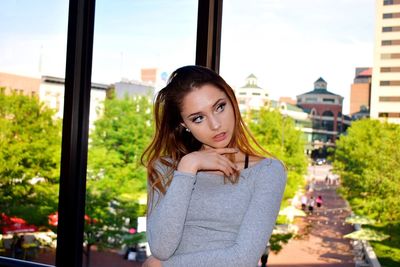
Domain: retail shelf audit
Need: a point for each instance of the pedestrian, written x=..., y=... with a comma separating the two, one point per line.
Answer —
x=319, y=201
x=17, y=250
x=214, y=193
x=304, y=201
x=311, y=203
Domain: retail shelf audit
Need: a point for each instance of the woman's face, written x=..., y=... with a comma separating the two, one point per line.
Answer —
x=208, y=114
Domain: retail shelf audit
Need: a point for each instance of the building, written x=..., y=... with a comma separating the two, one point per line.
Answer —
x=19, y=84
x=325, y=110
x=288, y=99
x=360, y=93
x=251, y=96
x=385, y=89
x=126, y=88
x=154, y=77
x=51, y=93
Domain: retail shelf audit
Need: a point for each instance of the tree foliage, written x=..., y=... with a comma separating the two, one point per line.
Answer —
x=368, y=160
x=278, y=135
x=116, y=178
x=30, y=141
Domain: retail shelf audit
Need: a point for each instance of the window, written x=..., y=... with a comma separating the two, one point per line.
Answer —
x=256, y=94
x=32, y=34
x=328, y=100
x=389, y=99
x=135, y=48
x=328, y=113
x=311, y=99
x=391, y=2
x=389, y=115
x=390, y=83
x=391, y=15
x=242, y=93
x=390, y=69
x=390, y=42
x=390, y=56
x=391, y=29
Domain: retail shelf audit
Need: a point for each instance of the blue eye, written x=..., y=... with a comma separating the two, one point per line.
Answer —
x=221, y=107
x=198, y=119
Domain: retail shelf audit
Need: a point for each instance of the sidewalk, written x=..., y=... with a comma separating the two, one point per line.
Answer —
x=321, y=241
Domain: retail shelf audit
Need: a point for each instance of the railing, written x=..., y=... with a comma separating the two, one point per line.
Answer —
x=364, y=253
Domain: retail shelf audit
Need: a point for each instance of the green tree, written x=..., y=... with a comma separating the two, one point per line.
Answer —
x=368, y=160
x=30, y=140
x=116, y=179
x=278, y=135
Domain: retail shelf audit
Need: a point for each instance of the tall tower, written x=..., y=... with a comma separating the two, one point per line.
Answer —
x=385, y=89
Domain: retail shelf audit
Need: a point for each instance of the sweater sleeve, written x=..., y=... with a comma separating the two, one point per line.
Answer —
x=256, y=227
x=167, y=215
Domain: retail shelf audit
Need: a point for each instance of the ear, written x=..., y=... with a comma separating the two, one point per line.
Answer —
x=183, y=125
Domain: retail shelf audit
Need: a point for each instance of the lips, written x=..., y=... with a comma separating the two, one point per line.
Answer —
x=219, y=137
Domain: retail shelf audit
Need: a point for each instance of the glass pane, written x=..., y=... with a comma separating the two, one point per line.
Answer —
x=137, y=44
x=32, y=67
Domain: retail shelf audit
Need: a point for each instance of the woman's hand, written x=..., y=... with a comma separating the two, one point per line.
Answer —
x=208, y=160
x=152, y=262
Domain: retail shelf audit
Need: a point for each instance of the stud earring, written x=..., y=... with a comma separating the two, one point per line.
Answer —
x=188, y=130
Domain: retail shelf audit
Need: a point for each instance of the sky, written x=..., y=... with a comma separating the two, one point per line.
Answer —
x=287, y=44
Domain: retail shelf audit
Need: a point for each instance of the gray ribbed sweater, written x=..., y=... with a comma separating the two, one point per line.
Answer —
x=202, y=221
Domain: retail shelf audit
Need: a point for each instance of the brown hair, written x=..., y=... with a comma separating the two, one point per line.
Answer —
x=171, y=142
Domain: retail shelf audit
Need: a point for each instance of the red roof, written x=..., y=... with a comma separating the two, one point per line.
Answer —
x=367, y=72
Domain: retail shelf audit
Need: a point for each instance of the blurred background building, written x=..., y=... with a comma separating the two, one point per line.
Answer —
x=385, y=89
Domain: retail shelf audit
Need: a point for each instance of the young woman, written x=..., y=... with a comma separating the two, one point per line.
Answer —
x=213, y=196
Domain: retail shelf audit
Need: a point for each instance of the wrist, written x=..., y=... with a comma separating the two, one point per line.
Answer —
x=186, y=165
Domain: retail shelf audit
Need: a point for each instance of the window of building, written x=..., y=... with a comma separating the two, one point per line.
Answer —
x=391, y=2
x=328, y=113
x=391, y=29
x=389, y=115
x=390, y=42
x=390, y=56
x=389, y=98
x=242, y=93
x=311, y=99
x=390, y=69
x=390, y=83
x=328, y=100
x=242, y=102
x=256, y=94
x=391, y=15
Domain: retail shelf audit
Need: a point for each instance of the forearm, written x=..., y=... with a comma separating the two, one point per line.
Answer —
x=167, y=217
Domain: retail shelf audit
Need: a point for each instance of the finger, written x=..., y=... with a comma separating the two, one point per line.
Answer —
x=226, y=166
x=230, y=163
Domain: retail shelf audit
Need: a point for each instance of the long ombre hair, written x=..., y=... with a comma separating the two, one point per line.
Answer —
x=171, y=142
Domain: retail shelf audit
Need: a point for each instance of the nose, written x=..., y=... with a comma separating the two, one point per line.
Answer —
x=215, y=123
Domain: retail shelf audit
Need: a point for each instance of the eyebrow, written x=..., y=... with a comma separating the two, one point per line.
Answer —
x=213, y=106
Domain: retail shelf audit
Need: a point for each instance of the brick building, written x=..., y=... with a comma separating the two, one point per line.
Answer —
x=325, y=109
